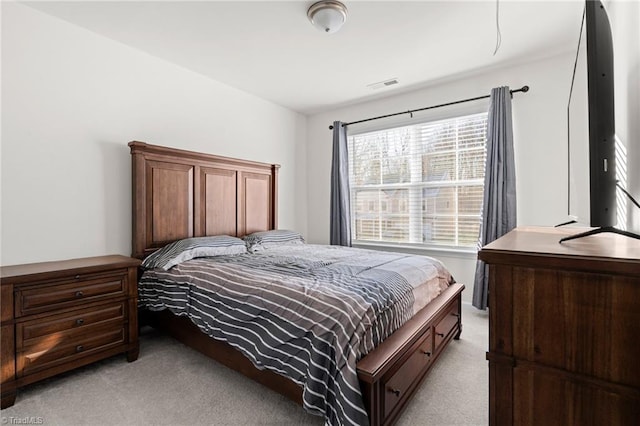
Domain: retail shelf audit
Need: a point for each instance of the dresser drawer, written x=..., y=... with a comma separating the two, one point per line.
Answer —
x=68, y=325
x=53, y=352
x=46, y=296
x=397, y=386
x=446, y=325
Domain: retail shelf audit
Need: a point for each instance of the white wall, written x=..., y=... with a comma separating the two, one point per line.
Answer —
x=540, y=132
x=72, y=100
x=539, y=120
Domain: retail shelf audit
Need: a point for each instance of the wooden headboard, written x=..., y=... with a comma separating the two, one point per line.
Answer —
x=181, y=194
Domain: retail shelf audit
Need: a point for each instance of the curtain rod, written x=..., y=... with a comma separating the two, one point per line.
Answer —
x=523, y=89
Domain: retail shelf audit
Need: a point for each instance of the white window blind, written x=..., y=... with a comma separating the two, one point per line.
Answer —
x=419, y=184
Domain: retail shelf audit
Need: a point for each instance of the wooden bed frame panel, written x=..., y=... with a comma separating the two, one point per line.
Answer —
x=179, y=194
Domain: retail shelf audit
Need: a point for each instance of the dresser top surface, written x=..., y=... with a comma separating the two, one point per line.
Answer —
x=544, y=242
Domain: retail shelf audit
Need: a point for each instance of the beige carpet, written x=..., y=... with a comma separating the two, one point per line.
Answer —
x=172, y=384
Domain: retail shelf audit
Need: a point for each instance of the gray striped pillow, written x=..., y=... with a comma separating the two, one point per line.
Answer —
x=191, y=248
x=266, y=239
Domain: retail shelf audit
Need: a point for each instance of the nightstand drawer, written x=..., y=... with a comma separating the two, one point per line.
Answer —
x=67, y=325
x=44, y=297
x=54, y=352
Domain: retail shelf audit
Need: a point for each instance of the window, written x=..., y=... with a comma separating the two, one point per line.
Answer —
x=420, y=184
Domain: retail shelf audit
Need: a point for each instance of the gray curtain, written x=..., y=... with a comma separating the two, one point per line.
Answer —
x=499, y=203
x=340, y=225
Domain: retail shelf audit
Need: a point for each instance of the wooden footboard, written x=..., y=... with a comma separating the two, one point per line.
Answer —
x=389, y=375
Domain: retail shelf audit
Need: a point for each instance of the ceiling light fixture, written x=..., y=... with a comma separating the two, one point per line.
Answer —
x=327, y=15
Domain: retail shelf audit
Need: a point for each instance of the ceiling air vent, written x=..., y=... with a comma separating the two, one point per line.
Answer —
x=382, y=84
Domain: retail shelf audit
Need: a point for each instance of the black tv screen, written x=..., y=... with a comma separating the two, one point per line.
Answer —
x=592, y=166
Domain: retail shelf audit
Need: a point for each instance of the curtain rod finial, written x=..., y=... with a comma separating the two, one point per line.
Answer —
x=525, y=88
x=330, y=127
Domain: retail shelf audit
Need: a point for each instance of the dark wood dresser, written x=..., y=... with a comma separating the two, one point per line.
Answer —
x=564, y=329
x=57, y=316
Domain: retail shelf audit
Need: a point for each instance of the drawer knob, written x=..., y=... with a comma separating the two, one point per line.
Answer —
x=79, y=348
x=79, y=321
x=77, y=277
x=440, y=334
x=456, y=315
x=396, y=392
x=79, y=294
x=428, y=354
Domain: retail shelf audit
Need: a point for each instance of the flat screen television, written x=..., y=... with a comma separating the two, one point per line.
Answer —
x=591, y=130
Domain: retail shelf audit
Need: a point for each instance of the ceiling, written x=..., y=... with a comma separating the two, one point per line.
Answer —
x=270, y=49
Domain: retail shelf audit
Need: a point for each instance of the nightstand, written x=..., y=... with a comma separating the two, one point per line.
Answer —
x=57, y=316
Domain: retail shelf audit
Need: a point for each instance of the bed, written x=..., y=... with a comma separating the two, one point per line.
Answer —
x=180, y=194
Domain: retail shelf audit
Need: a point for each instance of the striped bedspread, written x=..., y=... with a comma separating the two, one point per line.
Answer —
x=305, y=311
